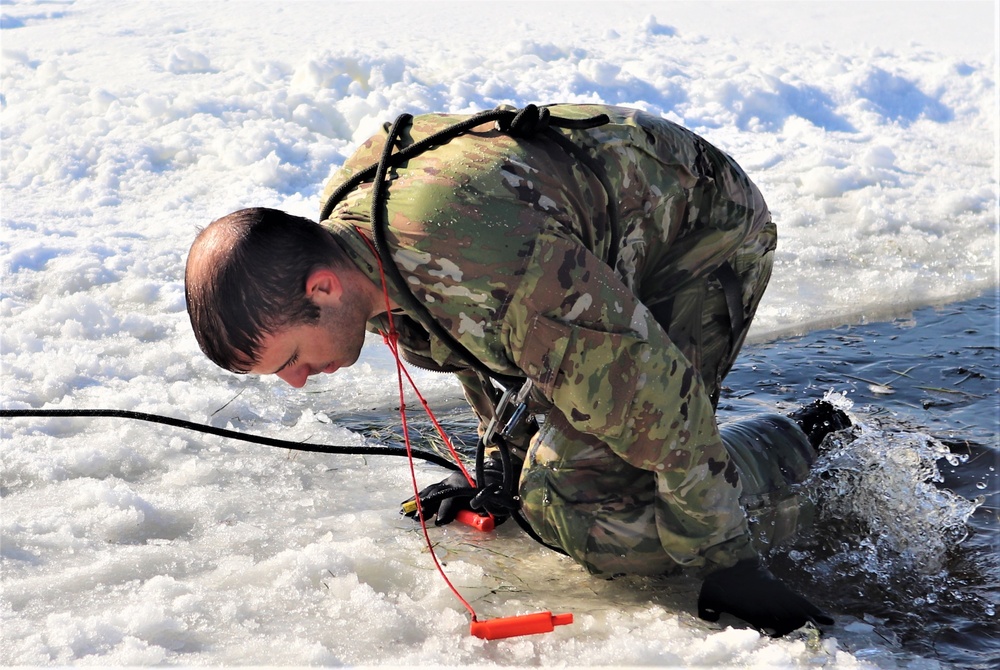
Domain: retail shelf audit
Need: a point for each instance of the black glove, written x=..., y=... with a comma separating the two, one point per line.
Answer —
x=444, y=499
x=748, y=591
x=447, y=498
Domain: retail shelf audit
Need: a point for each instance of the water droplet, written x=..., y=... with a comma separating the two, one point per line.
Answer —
x=980, y=485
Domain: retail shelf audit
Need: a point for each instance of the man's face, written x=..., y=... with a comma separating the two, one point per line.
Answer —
x=295, y=353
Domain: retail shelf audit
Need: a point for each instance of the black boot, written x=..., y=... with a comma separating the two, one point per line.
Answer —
x=818, y=419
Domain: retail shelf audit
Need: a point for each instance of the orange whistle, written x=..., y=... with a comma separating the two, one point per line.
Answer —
x=513, y=626
x=470, y=518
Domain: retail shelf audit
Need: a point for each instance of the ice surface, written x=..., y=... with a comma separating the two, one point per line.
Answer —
x=870, y=127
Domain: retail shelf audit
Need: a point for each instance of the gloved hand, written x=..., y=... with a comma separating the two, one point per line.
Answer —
x=439, y=499
x=447, y=498
x=748, y=591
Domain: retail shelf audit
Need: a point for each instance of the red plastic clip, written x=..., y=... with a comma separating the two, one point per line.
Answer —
x=470, y=518
x=513, y=626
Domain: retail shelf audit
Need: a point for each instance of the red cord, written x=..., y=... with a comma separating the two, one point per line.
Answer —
x=493, y=629
x=392, y=341
x=399, y=365
x=427, y=408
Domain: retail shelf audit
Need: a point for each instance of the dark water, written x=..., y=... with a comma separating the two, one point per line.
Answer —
x=906, y=576
x=936, y=372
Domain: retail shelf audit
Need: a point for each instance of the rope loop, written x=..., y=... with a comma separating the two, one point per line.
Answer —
x=525, y=122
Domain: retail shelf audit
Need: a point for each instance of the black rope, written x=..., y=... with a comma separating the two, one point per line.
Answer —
x=256, y=439
x=232, y=434
x=413, y=305
x=497, y=498
x=519, y=123
x=505, y=120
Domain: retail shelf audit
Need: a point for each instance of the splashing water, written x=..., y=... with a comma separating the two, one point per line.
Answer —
x=877, y=482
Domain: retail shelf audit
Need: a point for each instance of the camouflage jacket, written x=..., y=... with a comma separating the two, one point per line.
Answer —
x=521, y=252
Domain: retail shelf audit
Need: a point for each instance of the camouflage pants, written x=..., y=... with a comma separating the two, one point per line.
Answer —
x=603, y=512
x=606, y=514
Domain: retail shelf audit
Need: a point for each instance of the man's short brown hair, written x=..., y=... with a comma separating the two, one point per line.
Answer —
x=245, y=278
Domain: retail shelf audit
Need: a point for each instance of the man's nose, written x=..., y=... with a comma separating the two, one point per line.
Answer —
x=295, y=376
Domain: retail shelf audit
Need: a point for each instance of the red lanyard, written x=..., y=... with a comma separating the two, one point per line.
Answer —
x=492, y=629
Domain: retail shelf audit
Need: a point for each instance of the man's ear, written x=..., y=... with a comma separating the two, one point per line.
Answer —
x=323, y=286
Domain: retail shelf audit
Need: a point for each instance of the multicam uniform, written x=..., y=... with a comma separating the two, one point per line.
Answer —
x=599, y=288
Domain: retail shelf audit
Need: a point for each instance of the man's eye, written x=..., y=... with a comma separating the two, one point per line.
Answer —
x=289, y=363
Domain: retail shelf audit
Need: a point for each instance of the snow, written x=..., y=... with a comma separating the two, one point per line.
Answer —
x=870, y=127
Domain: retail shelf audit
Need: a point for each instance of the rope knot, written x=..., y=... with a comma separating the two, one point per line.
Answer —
x=525, y=122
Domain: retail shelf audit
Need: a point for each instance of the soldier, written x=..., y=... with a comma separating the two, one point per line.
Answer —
x=612, y=258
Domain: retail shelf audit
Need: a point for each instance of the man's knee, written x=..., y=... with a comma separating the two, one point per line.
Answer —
x=580, y=496
x=607, y=534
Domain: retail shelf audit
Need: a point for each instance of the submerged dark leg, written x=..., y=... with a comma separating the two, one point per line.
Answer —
x=773, y=454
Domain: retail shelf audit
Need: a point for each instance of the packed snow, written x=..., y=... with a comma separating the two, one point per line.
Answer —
x=870, y=127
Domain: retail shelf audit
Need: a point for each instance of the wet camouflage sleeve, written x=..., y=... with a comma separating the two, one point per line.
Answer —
x=509, y=245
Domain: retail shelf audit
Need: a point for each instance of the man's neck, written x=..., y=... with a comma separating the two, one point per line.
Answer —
x=358, y=248
x=377, y=296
